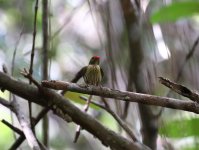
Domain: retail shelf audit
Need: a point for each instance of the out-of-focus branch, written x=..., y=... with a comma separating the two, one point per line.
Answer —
x=124, y=95
x=51, y=98
x=67, y=20
x=133, y=15
x=12, y=71
x=45, y=49
x=32, y=55
x=188, y=56
x=34, y=36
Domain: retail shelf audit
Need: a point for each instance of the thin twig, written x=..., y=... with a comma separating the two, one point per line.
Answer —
x=27, y=75
x=12, y=71
x=34, y=37
x=105, y=102
x=12, y=127
x=15, y=51
x=67, y=20
x=188, y=56
x=78, y=130
x=117, y=118
x=32, y=56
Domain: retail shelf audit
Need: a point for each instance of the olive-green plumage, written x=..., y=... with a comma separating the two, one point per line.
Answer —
x=92, y=73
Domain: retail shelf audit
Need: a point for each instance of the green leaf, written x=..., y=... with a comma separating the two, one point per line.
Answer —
x=75, y=97
x=6, y=135
x=175, y=11
x=107, y=120
x=181, y=128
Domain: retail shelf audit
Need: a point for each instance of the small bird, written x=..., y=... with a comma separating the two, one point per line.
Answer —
x=92, y=74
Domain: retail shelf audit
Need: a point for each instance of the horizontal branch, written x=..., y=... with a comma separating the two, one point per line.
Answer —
x=49, y=97
x=125, y=95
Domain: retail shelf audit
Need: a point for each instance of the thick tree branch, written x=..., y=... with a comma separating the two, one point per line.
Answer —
x=49, y=97
x=5, y=103
x=125, y=95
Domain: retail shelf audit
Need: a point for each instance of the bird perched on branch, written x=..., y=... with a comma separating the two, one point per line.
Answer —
x=92, y=74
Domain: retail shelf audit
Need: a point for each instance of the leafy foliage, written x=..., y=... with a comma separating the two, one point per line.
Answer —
x=175, y=11
x=75, y=97
x=181, y=128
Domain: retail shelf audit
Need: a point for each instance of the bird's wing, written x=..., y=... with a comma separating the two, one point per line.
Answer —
x=79, y=74
x=102, y=72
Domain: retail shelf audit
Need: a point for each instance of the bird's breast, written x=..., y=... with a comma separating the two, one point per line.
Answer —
x=93, y=75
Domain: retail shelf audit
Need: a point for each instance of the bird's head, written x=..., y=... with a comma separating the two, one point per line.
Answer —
x=95, y=60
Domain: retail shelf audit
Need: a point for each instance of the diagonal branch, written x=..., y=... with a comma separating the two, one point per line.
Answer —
x=25, y=125
x=180, y=89
x=117, y=118
x=15, y=129
x=22, y=137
